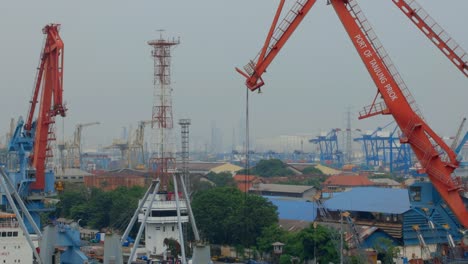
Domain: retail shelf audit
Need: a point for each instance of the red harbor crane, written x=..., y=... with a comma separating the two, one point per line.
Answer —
x=48, y=93
x=437, y=159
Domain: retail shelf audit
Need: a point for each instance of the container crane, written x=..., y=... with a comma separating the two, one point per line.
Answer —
x=437, y=159
x=29, y=146
x=457, y=136
x=76, y=146
x=330, y=154
x=137, y=145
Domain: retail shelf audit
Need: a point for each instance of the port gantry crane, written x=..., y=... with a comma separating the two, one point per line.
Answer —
x=49, y=77
x=76, y=146
x=437, y=159
x=29, y=147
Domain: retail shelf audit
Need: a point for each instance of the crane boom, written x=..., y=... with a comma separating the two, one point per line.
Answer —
x=457, y=137
x=275, y=40
x=437, y=159
x=49, y=78
x=435, y=33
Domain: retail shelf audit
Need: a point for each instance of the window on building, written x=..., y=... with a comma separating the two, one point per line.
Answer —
x=172, y=228
x=415, y=193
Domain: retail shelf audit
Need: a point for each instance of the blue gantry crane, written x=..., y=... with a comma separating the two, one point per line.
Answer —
x=384, y=150
x=329, y=152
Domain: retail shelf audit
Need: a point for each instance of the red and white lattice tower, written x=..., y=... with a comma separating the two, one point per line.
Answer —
x=163, y=144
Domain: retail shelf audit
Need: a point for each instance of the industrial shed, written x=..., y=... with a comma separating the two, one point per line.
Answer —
x=284, y=190
x=294, y=214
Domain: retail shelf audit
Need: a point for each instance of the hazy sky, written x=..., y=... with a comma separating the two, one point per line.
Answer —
x=310, y=85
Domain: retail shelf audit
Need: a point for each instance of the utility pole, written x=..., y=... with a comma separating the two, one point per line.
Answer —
x=341, y=237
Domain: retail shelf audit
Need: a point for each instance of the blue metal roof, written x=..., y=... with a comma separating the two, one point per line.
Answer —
x=371, y=199
x=294, y=209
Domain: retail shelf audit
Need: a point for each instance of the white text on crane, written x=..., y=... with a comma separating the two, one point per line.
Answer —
x=375, y=65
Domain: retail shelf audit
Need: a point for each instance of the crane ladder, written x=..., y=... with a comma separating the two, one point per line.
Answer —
x=366, y=27
x=449, y=47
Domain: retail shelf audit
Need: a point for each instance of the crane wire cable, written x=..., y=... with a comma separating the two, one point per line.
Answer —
x=247, y=163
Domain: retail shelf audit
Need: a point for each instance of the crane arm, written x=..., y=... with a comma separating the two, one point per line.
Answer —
x=462, y=143
x=457, y=137
x=88, y=124
x=49, y=86
x=52, y=56
x=437, y=159
x=276, y=38
x=435, y=33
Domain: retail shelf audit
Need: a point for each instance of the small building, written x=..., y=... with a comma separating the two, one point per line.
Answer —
x=71, y=175
x=111, y=180
x=294, y=214
x=402, y=215
x=200, y=167
x=227, y=167
x=340, y=183
x=245, y=182
x=284, y=190
x=386, y=182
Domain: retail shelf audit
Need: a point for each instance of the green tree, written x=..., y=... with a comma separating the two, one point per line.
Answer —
x=269, y=168
x=97, y=208
x=221, y=179
x=312, y=170
x=70, y=198
x=225, y=215
x=386, y=251
x=312, y=242
x=270, y=235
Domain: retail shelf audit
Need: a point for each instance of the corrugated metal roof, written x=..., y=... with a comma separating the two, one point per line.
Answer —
x=348, y=180
x=284, y=188
x=200, y=166
x=301, y=166
x=227, y=167
x=371, y=199
x=327, y=170
x=294, y=209
x=386, y=181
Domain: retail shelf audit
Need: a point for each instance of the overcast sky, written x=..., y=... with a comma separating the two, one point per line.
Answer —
x=310, y=85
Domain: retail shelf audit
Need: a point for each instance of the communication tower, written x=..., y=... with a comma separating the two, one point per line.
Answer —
x=162, y=158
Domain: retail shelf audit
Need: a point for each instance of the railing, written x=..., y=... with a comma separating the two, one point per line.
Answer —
x=378, y=47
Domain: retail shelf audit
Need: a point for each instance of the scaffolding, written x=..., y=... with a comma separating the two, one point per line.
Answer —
x=185, y=153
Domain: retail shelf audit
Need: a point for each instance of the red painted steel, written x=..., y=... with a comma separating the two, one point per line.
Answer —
x=275, y=41
x=49, y=78
x=449, y=47
x=436, y=158
x=424, y=142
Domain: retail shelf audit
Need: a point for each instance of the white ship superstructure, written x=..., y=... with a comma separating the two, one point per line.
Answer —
x=162, y=221
x=14, y=247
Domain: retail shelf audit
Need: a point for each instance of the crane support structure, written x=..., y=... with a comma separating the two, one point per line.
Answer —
x=277, y=37
x=49, y=78
x=435, y=33
x=437, y=159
